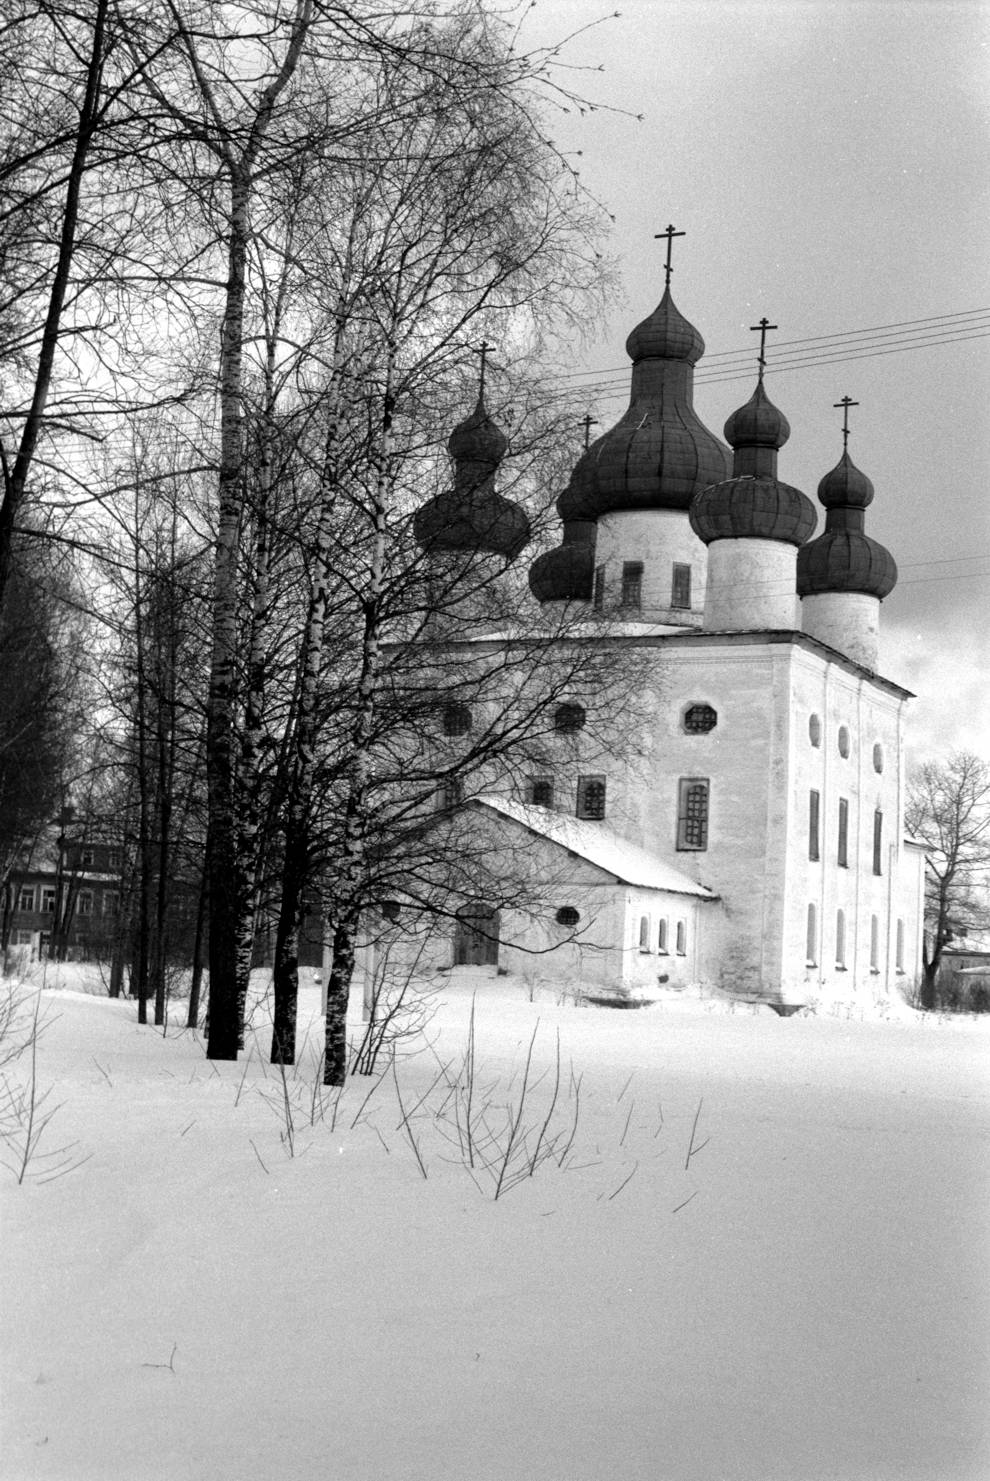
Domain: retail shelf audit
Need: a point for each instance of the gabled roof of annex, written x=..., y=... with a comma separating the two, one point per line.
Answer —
x=625, y=861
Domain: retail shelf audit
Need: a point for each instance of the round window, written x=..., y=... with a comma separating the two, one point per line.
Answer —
x=843, y=741
x=567, y=916
x=815, y=730
x=699, y=719
x=878, y=757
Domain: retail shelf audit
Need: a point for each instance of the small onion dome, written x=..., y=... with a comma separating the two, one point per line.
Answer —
x=478, y=440
x=451, y=522
x=753, y=507
x=566, y=573
x=472, y=517
x=665, y=335
x=844, y=558
x=845, y=487
x=758, y=423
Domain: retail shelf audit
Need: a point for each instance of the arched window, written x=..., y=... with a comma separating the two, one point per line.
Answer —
x=699, y=719
x=662, y=937
x=692, y=813
x=874, y=944
x=840, y=940
x=567, y=916
x=811, y=941
x=591, y=797
x=456, y=719
x=681, y=938
x=568, y=718
x=878, y=758
x=644, y=933
x=878, y=842
x=814, y=730
x=843, y=741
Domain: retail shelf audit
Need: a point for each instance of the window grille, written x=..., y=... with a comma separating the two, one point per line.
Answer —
x=591, y=797
x=680, y=587
x=699, y=719
x=567, y=916
x=456, y=719
x=692, y=813
x=632, y=584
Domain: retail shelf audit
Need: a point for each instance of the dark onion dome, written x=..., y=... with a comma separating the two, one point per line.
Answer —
x=660, y=453
x=758, y=423
x=566, y=574
x=472, y=516
x=844, y=558
x=753, y=507
x=753, y=504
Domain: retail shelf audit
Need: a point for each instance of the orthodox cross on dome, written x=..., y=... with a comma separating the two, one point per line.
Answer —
x=587, y=422
x=845, y=404
x=482, y=351
x=670, y=234
x=762, y=327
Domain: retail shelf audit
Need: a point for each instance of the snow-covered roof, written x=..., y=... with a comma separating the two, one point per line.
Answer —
x=629, y=863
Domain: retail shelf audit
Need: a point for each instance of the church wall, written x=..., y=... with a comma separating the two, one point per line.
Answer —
x=751, y=585
x=848, y=621
x=659, y=539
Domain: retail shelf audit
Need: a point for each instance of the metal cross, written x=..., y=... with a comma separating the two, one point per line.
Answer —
x=588, y=422
x=670, y=234
x=482, y=350
x=762, y=327
x=845, y=403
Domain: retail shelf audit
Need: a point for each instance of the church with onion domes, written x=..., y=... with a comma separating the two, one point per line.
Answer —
x=748, y=838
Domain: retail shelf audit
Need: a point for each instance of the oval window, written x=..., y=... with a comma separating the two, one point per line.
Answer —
x=878, y=758
x=567, y=916
x=843, y=741
x=815, y=730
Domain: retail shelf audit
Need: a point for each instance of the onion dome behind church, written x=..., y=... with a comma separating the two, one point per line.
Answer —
x=472, y=516
x=754, y=504
x=844, y=558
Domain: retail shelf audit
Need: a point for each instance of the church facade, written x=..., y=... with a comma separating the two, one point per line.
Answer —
x=748, y=839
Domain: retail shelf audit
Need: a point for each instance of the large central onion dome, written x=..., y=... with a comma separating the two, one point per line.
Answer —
x=844, y=558
x=472, y=516
x=754, y=504
x=660, y=453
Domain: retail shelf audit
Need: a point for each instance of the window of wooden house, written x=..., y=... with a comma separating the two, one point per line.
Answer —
x=84, y=902
x=48, y=898
x=111, y=902
x=25, y=898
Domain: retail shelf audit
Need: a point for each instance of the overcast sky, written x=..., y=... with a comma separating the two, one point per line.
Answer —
x=828, y=163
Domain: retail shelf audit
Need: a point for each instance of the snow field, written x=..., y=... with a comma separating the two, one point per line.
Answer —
x=809, y=1298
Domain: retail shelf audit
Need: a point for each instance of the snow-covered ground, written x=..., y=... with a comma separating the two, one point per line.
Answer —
x=808, y=1298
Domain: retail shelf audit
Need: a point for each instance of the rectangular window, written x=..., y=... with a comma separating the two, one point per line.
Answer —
x=25, y=897
x=811, y=943
x=681, y=938
x=87, y=858
x=680, y=588
x=692, y=813
x=814, y=813
x=878, y=842
x=48, y=898
x=111, y=902
x=84, y=902
x=662, y=938
x=591, y=797
x=114, y=859
x=874, y=944
x=632, y=584
x=840, y=940
x=842, y=854
x=899, y=948
x=598, y=599
x=539, y=791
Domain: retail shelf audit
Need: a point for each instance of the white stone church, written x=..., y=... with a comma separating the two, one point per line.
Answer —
x=751, y=842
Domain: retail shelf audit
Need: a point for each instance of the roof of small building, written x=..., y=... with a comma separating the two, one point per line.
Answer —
x=629, y=863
